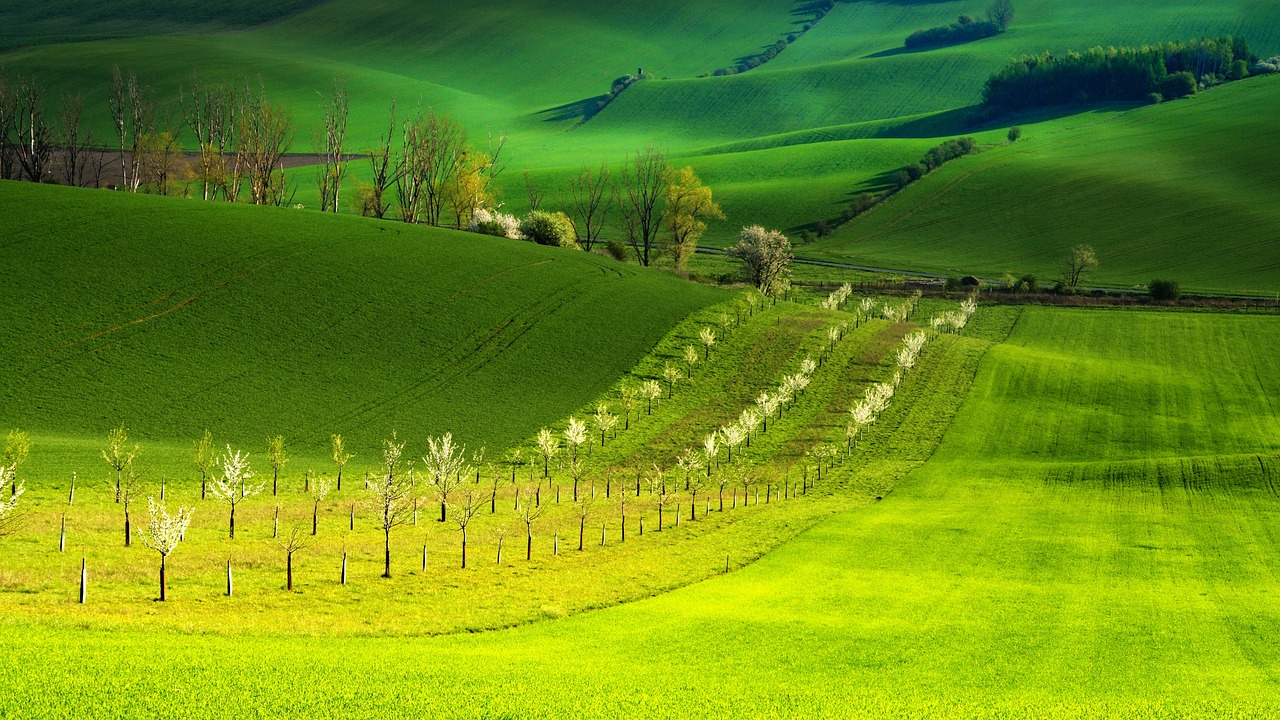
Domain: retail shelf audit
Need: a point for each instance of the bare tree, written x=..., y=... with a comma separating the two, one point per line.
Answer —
x=277, y=456
x=385, y=173
x=117, y=455
x=331, y=146
x=209, y=112
x=33, y=139
x=8, y=112
x=78, y=164
x=164, y=532
x=391, y=496
x=639, y=194
x=533, y=194
x=133, y=115
x=530, y=511
x=291, y=543
x=433, y=150
x=590, y=203
x=445, y=465
x=582, y=507
x=265, y=136
x=232, y=485
x=463, y=511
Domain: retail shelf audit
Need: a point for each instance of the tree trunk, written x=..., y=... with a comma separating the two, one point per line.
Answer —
x=464, y=548
x=117, y=485
x=203, y=485
x=659, y=518
x=62, y=536
x=84, y=581
x=339, y=478
x=442, y=511
x=163, y=595
x=528, y=548
x=128, y=536
x=289, y=572
x=233, y=522
x=582, y=531
x=229, y=585
x=344, y=567
x=315, y=518
x=721, y=498
x=386, y=547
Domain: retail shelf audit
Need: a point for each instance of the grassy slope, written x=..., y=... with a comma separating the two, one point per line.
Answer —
x=173, y=315
x=1172, y=191
x=983, y=587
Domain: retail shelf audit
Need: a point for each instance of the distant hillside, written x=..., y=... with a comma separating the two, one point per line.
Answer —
x=1178, y=190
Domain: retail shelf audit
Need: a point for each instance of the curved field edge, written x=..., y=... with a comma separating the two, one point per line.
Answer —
x=445, y=599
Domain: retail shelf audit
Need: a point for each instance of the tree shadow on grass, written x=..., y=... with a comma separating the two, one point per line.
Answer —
x=578, y=110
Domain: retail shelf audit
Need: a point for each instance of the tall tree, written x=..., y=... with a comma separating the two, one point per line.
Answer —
x=34, y=138
x=78, y=164
x=210, y=112
x=385, y=173
x=639, y=194
x=689, y=206
x=133, y=115
x=333, y=168
x=590, y=203
x=265, y=136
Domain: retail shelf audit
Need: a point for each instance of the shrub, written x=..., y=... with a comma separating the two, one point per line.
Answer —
x=1164, y=290
x=1027, y=283
x=823, y=228
x=953, y=284
x=492, y=222
x=1266, y=67
x=902, y=179
x=1015, y=133
x=1178, y=85
x=546, y=228
x=616, y=250
x=1155, y=99
x=915, y=171
x=1239, y=69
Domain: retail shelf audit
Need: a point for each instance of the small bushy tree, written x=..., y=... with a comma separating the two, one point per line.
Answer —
x=548, y=228
x=164, y=532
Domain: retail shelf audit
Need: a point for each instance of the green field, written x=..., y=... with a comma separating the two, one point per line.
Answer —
x=1061, y=513
x=524, y=69
x=1170, y=191
x=1028, y=568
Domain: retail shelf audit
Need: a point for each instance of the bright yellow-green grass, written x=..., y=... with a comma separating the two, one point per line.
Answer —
x=988, y=584
x=1176, y=191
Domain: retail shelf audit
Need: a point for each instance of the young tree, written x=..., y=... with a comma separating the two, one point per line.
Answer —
x=463, y=512
x=277, y=456
x=530, y=511
x=164, y=532
x=630, y=396
x=340, y=456
x=690, y=462
x=210, y=114
x=733, y=436
x=290, y=544
x=116, y=454
x=638, y=197
x=671, y=374
x=331, y=145
x=232, y=486
x=711, y=450
x=205, y=458
x=766, y=259
x=605, y=421
x=708, y=337
x=623, y=499
x=445, y=465
x=16, y=447
x=9, y=506
x=575, y=435
x=589, y=203
x=133, y=114
x=129, y=488
x=1078, y=265
x=319, y=491
x=582, y=507
x=434, y=147
x=749, y=420
x=650, y=390
x=548, y=445
x=688, y=207
x=695, y=485
x=265, y=136
x=79, y=164
x=391, y=496
x=468, y=189
x=659, y=491
x=767, y=404
x=690, y=360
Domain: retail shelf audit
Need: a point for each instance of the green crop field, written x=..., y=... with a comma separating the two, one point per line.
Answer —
x=1171, y=191
x=665, y=500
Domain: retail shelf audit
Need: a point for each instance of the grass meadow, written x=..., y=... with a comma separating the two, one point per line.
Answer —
x=1004, y=576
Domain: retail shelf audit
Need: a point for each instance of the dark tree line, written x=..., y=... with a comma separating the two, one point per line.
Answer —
x=1171, y=70
x=965, y=28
